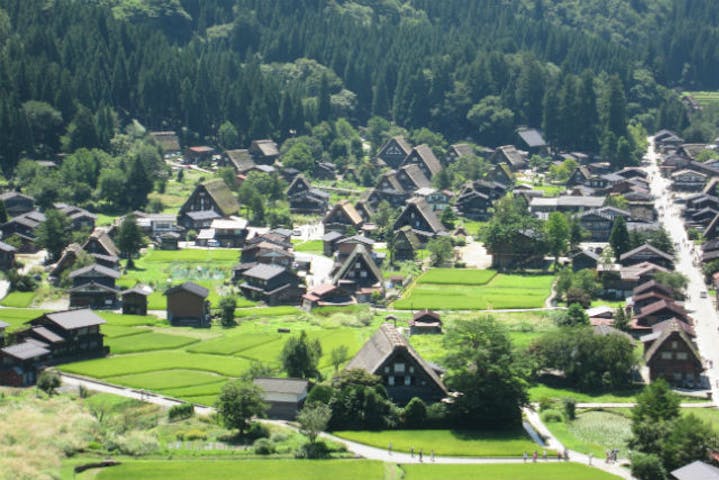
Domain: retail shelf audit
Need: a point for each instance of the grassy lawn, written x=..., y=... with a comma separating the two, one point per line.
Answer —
x=244, y=469
x=148, y=341
x=447, y=442
x=540, y=391
x=267, y=311
x=594, y=432
x=17, y=317
x=167, y=379
x=155, y=361
x=501, y=292
x=18, y=299
x=547, y=471
x=210, y=268
x=310, y=246
x=456, y=276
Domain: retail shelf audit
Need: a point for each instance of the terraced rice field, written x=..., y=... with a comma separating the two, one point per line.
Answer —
x=193, y=364
x=476, y=290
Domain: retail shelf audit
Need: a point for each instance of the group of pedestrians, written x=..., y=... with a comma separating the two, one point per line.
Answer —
x=420, y=454
x=612, y=456
x=535, y=456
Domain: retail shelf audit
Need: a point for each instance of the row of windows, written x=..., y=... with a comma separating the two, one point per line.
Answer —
x=670, y=355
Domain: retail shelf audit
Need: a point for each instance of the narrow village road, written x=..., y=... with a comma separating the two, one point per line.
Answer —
x=366, y=451
x=706, y=320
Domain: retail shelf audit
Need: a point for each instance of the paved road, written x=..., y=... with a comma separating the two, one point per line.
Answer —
x=365, y=451
x=706, y=321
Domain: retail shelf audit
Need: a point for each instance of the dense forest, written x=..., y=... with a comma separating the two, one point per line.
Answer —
x=72, y=72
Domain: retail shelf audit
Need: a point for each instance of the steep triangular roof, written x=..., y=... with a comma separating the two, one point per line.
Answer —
x=223, y=196
x=384, y=343
x=672, y=327
x=359, y=251
x=646, y=247
x=190, y=287
x=421, y=206
x=348, y=210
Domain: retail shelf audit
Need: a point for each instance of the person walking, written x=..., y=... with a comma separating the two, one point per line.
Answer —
x=420, y=456
x=524, y=457
x=389, y=448
x=544, y=455
x=590, y=459
x=534, y=457
x=411, y=452
x=432, y=455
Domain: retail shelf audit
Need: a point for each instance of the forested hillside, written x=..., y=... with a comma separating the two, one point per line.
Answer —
x=71, y=71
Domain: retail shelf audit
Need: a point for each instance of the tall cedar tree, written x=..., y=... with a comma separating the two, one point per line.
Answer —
x=130, y=239
x=481, y=365
x=619, y=237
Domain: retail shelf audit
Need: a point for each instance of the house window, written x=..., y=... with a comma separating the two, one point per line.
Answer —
x=399, y=368
x=386, y=369
x=682, y=355
x=390, y=381
x=407, y=380
x=666, y=355
x=675, y=344
x=411, y=370
x=363, y=274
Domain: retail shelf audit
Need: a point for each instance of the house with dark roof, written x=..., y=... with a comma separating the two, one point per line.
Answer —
x=599, y=222
x=134, y=300
x=531, y=140
x=688, y=180
x=412, y=178
x=187, y=305
x=580, y=176
x=388, y=189
x=69, y=335
x=509, y=155
x=198, y=154
x=420, y=217
x=585, y=259
x=670, y=353
x=24, y=226
x=345, y=246
x=240, y=160
x=405, y=245
x=168, y=142
x=272, y=284
x=209, y=201
x=99, y=242
x=327, y=295
x=343, y=217
x=306, y=200
x=285, y=396
x=425, y=321
x=652, y=286
x=424, y=157
x=94, y=286
x=7, y=256
x=473, y=203
x=657, y=312
x=20, y=363
x=394, y=151
x=264, y=152
x=359, y=274
x=17, y=203
x=459, y=150
x=404, y=373
x=647, y=253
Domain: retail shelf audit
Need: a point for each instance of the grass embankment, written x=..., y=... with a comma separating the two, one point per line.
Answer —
x=530, y=471
x=594, y=431
x=447, y=442
x=18, y=299
x=452, y=289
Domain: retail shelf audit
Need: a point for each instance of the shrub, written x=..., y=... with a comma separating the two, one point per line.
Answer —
x=256, y=431
x=545, y=403
x=313, y=451
x=552, y=416
x=570, y=408
x=414, y=414
x=82, y=391
x=437, y=415
x=192, y=435
x=49, y=381
x=135, y=443
x=264, y=446
x=181, y=411
x=648, y=467
x=320, y=393
x=279, y=437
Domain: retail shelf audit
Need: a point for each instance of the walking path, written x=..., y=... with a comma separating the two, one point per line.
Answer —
x=706, y=321
x=364, y=451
